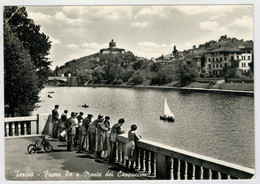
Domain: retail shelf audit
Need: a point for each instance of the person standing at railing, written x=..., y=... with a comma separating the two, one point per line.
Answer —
x=116, y=129
x=101, y=135
x=92, y=132
x=106, y=146
x=130, y=154
x=71, y=130
x=62, y=124
x=80, y=121
x=55, y=121
x=83, y=132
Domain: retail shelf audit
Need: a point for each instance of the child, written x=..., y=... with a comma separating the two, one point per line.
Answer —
x=130, y=147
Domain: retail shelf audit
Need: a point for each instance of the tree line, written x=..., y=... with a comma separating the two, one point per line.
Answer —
x=26, y=65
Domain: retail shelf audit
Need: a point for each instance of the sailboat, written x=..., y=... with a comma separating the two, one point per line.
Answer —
x=167, y=114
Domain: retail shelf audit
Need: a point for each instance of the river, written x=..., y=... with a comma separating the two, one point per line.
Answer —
x=215, y=125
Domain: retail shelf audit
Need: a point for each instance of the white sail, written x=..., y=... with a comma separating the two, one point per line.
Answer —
x=167, y=111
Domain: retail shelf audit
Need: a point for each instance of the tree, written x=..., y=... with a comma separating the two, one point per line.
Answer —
x=21, y=81
x=37, y=44
x=138, y=64
x=251, y=64
x=230, y=72
x=155, y=67
x=188, y=72
x=137, y=79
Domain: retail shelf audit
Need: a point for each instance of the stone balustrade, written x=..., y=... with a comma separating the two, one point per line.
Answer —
x=21, y=125
x=27, y=125
x=166, y=162
x=154, y=159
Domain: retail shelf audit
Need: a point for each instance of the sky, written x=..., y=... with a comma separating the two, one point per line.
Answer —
x=147, y=31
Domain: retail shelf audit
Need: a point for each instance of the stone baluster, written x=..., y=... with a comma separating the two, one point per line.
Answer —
x=176, y=169
x=19, y=128
x=142, y=160
x=6, y=129
x=12, y=128
x=183, y=170
x=25, y=128
x=170, y=169
x=219, y=176
x=153, y=164
x=148, y=162
x=191, y=171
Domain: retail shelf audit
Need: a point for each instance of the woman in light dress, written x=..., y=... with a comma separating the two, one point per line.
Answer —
x=130, y=154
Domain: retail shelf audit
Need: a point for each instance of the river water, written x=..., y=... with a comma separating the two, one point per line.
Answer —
x=215, y=125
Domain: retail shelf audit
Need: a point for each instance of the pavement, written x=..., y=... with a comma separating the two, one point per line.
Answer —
x=59, y=164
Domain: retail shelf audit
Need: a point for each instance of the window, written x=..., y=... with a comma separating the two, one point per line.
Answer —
x=209, y=60
x=220, y=58
x=237, y=57
x=220, y=65
x=216, y=59
x=225, y=58
x=213, y=66
x=209, y=66
x=225, y=64
x=213, y=59
x=232, y=57
x=248, y=57
x=216, y=65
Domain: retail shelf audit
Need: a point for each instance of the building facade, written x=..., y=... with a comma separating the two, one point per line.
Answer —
x=112, y=49
x=218, y=59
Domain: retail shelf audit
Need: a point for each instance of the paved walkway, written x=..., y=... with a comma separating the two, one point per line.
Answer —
x=58, y=165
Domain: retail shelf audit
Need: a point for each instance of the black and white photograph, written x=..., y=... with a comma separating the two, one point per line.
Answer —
x=128, y=92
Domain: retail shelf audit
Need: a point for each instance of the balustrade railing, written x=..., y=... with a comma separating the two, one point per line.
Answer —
x=166, y=162
x=16, y=126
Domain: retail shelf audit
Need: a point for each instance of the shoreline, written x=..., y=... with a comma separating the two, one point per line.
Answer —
x=187, y=89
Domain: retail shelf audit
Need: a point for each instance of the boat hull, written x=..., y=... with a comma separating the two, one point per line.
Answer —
x=170, y=119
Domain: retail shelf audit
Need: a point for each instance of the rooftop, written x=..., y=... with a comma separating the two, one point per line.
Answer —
x=225, y=49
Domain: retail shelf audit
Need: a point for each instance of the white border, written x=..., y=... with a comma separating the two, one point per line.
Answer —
x=256, y=5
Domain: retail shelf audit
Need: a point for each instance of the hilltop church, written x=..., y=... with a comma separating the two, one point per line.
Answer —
x=112, y=49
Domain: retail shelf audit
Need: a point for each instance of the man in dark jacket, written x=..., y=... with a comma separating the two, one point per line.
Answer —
x=55, y=121
x=71, y=130
x=62, y=125
x=116, y=129
x=83, y=132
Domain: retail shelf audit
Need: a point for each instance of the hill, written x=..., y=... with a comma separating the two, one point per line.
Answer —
x=116, y=69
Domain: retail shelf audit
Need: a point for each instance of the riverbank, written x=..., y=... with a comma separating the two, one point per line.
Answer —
x=225, y=88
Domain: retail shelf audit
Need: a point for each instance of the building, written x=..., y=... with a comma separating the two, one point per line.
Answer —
x=218, y=59
x=112, y=49
x=199, y=63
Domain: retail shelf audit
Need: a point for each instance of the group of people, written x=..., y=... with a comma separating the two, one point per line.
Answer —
x=82, y=133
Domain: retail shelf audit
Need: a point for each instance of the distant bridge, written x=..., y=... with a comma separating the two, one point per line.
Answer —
x=63, y=79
